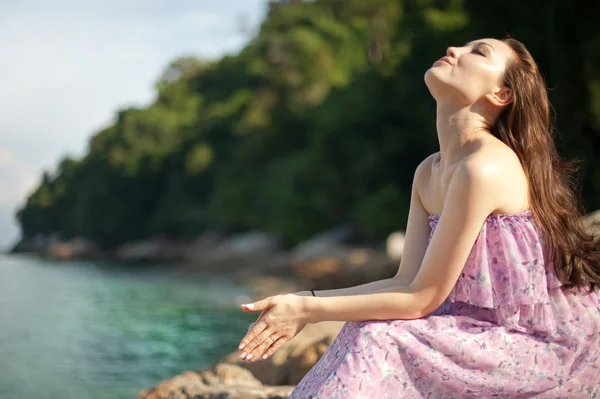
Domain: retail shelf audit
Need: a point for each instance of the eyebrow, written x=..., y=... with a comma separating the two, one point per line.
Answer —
x=487, y=44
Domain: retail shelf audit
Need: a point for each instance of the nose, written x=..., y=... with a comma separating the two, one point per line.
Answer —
x=451, y=52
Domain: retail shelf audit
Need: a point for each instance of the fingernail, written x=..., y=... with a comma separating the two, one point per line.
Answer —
x=249, y=356
x=243, y=355
x=265, y=356
x=242, y=346
x=249, y=306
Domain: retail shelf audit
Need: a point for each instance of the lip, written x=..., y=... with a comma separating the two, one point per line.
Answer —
x=445, y=60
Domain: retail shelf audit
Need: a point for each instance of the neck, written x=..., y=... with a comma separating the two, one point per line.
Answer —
x=458, y=129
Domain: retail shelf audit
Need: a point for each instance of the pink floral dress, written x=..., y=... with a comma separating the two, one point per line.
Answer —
x=506, y=330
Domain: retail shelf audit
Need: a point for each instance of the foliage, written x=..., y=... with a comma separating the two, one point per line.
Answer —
x=320, y=120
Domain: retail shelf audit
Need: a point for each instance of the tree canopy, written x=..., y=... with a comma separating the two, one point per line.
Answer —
x=320, y=120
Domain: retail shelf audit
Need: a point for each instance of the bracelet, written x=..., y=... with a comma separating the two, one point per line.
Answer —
x=313, y=292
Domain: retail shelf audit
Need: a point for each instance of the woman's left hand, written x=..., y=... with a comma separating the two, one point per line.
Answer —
x=285, y=316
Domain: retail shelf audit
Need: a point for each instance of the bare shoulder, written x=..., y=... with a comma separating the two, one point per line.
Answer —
x=495, y=162
x=423, y=171
x=497, y=169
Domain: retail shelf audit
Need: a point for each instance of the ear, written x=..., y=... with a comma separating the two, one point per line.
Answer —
x=501, y=97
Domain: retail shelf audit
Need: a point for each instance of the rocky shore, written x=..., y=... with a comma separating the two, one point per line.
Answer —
x=332, y=259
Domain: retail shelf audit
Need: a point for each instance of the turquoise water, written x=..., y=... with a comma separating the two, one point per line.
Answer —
x=82, y=330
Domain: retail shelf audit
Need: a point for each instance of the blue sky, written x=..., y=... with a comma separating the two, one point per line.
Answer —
x=68, y=65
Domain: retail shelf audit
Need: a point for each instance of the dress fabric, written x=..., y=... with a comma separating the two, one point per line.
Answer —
x=507, y=330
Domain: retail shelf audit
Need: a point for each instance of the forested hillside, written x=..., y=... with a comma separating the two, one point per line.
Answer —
x=320, y=120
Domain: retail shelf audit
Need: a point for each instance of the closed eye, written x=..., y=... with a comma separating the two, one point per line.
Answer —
x=476, y=51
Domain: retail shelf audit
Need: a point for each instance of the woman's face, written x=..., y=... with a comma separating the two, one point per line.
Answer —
x=471, y=72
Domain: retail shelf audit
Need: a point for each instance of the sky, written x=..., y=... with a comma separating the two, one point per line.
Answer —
x=67, y=66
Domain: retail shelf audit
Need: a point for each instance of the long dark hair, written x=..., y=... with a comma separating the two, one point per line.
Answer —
x=525, y=126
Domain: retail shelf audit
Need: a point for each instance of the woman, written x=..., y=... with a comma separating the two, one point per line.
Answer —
x=494, y=296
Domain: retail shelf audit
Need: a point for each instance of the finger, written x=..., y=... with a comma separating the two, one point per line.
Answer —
x=257, y=353
x=261, y=316
x=250, y=348
x=276, y=345
x=257, y=320
x=258, y=328
x=258, y=305
x=242, y=343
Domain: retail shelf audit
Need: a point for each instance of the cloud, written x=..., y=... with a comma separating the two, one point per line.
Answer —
x=68, y=65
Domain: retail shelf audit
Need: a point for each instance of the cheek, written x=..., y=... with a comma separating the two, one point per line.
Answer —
x=475, y=82
x=481, y=75
x=464, y=83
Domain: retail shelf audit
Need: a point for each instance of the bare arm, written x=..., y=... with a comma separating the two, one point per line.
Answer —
x=362, y=289
x=417, y=227
x=472, y=195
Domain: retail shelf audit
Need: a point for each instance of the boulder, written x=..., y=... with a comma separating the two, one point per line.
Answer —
x=37, y=244
x=264, y=286
x=290, y=363
x=77, y=248
x=395, y=245
x=197, y=249
x=328, y=244
x=154, y=250
x=139, y=251
x=242, y=254
x=357, y=266
x=222, y=381
x=219, y=392
x=230, y=374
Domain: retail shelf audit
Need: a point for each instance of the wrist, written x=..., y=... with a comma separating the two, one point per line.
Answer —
x=310, y=308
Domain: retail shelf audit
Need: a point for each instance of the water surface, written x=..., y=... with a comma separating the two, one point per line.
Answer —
x=84, y=330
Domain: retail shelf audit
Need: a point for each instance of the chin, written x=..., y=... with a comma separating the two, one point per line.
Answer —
x=433, y=81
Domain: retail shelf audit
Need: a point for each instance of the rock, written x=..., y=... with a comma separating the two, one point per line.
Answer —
x=292, y=361
x=327, y=244
x=357, y=266
x=249, y=251
x=172, y=388
x=395, y=245
x=139, y=251
x=202, y=245
x=303, y=362
x=317, y=268
x=252, y=243
x=78, y=248
x=230, y=374
x=265, y=286
x=37, y=244
x=228, y=392
x=328, y=261
x=223, y=381
x=209, y=377
x=152, y=250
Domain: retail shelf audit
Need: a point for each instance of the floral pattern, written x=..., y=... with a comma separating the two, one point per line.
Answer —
x=506, y=330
